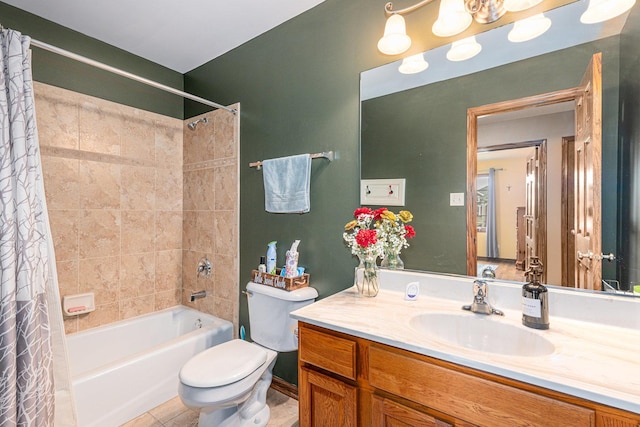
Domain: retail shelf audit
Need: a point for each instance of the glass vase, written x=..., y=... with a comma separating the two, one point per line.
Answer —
x=367, y=276
x=392, y=261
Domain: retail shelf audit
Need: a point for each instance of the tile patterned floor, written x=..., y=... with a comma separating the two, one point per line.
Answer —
x=284, y=413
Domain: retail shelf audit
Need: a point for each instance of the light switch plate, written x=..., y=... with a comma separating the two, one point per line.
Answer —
x=456, y=199
x=383, y=192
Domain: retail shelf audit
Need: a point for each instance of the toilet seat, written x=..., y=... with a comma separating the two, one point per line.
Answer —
x=223, y=364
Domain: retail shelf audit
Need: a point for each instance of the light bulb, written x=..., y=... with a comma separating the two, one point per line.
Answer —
x=395, y=40
x=529, y=28
x=602, y=10
x=464, y=49
x=413, y=64
x=452, y=19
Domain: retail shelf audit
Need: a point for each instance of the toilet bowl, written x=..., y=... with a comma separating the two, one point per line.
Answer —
x=228, y=383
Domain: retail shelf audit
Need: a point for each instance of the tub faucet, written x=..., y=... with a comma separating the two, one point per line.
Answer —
x=197, y=295
x=481, y=300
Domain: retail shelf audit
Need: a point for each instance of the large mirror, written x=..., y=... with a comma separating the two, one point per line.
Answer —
x=415, y=127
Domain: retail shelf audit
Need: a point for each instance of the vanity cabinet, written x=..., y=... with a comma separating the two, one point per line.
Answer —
x=349, y=381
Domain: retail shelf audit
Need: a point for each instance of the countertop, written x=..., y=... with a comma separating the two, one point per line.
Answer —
x=592, y=361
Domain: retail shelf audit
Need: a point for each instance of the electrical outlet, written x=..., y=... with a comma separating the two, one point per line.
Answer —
x=456, y=199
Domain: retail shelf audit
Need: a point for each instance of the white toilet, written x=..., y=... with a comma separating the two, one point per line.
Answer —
x=229, y=382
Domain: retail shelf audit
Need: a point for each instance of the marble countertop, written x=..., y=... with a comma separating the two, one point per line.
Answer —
x=592, y=361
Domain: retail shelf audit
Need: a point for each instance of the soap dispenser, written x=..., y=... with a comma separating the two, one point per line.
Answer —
x=535, y=298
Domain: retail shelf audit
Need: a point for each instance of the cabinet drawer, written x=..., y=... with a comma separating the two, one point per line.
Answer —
x=332, y=353
x=475, y=400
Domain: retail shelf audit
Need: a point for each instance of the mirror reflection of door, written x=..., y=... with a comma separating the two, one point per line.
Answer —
x=562, y=231
x=513, y=186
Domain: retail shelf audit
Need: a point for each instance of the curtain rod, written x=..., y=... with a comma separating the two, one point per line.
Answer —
x=128, y=75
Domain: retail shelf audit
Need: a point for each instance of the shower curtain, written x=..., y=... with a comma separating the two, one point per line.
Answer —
x=492, y=235
x=31, y=329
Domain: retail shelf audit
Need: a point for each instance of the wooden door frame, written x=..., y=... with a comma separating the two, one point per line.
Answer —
x=568, y=246
x=473, y=114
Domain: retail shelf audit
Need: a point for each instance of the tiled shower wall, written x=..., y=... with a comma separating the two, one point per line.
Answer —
x=211, y=211
x=114, y=185
x=113, y=179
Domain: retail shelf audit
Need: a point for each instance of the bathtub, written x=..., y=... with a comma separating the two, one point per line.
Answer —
x=121, y=370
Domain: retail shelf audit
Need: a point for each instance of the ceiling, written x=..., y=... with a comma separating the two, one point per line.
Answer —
x=181, y=35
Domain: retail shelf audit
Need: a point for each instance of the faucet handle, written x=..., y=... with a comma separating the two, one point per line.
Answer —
x=479, y=290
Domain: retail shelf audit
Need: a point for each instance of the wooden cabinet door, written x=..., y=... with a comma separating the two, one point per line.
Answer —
x=611, y=420
x=387, y=413
x=325, y=401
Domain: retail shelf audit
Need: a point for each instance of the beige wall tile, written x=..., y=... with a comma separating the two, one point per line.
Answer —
x=225, y=278
x=205, y=232
x=169, y=144
x=224, y=135
x=99, y=185
x=136, y=306
x=199, y=143
x=168, y=230
x=101, y=126
x=99, y=233
x=102, y=277
x=189, y=229
x=138, y=137
x=138, y=188
x=169, y=189
x=57, y=120
x=68, y=277
x=167, y=299
x=70, y=325
x=65, y=225
x=138, y=232
x=225, y=187
x=168, y=271
x=104, y=314
x=226, y=226
x=198, y=189
x=137, y=275
x=226, y=309
x=61, y=182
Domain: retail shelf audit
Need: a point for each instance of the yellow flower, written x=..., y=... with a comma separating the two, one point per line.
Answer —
x=351, y=225
x=388, y=215
x=405, y=216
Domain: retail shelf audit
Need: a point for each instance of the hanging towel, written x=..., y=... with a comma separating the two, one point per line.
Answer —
x=287, y=181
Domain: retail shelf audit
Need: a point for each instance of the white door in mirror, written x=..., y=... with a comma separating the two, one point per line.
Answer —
x=412, y=290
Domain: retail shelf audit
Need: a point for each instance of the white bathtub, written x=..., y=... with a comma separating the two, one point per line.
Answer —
x=121, y=370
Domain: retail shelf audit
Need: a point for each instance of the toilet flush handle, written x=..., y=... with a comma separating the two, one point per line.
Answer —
x=248, y=293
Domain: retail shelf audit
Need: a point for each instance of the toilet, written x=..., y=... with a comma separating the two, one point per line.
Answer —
x=228, y=383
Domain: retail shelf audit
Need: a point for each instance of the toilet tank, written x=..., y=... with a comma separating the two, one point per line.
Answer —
x=269, y=320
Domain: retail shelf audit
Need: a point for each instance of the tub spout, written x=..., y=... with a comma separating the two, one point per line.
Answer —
x=197, y=295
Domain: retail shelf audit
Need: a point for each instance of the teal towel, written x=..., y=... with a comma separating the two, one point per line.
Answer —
x=287, y=182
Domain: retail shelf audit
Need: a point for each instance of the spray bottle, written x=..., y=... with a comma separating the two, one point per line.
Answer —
x=291, y=266
x=271, y=257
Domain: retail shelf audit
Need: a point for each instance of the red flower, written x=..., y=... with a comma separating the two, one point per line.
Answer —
x=377, y=214
x=410, y=232
x=362, y=211
x=366, y=238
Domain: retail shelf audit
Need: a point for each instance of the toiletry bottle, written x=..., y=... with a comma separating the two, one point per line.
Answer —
x=271, y=257
x=535, y=298
x=291, y=265
x=262, y=267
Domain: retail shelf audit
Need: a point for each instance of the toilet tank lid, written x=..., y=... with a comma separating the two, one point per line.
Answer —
x=302, y=294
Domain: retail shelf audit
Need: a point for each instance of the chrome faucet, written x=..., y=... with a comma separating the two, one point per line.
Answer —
x=481, y=300
x=197, y=295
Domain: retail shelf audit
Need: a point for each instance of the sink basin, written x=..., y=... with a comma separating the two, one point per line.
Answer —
x=482, y=333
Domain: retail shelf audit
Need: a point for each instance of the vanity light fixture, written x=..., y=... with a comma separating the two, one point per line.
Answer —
x=529, y=28
x=464, y=49
x=413, y=64
x=454, y=17
x=602, y=10
x=395, y=40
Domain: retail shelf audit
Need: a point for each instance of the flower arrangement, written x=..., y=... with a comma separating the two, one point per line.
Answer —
x=378, y=232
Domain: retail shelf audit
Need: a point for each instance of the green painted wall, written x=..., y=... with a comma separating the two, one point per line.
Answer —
x=298, y=86
x=58, y=71
x=420, y=134
x=299, y=91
